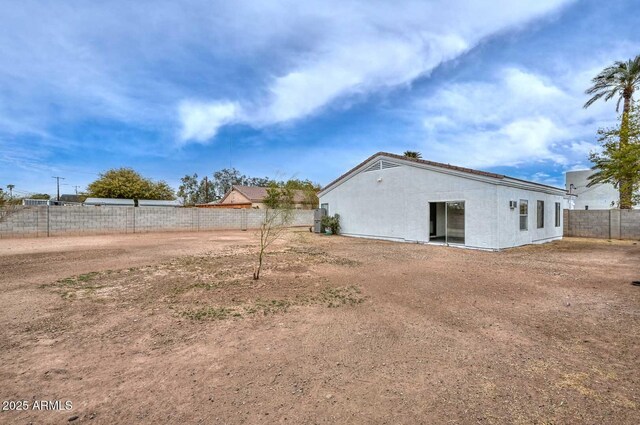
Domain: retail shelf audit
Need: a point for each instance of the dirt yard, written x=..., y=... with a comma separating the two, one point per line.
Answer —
x=171, y=329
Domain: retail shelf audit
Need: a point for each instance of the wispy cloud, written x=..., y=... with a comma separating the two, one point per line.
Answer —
x=515, y=118
x=86, y=86
x=348, y=48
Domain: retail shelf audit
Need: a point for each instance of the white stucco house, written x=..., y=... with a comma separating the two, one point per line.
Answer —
x=602, y=196
x=396, y=198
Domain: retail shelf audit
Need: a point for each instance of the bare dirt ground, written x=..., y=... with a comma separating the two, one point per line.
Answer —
x=170, y=328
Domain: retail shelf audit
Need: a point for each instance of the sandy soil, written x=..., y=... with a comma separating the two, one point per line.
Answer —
x=170, y=328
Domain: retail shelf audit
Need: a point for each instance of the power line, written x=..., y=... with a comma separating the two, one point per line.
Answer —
x=58, y=186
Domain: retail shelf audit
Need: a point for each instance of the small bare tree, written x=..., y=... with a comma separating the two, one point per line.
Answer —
x=278, y=213
x=7, y=205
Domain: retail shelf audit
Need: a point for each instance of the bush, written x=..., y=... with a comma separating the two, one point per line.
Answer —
x=332, y=222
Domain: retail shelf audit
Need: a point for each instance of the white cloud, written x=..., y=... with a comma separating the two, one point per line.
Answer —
x=579, y=167
x=351, y=47
x=355, y=67
x=518, y=141
x=201, y=120
x=515, y=118
x=544, y=178
x=583, y=148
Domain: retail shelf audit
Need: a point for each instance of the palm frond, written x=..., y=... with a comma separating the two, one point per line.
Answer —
x=593, y=99
x=619, y=79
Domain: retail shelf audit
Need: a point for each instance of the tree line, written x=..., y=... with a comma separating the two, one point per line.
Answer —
x=126, y=183
x=201, y=191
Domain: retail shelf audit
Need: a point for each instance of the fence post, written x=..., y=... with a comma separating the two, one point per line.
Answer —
x=619, y=224
x=615, y=228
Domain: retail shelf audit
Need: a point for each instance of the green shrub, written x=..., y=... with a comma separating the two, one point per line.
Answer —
x=332, y=222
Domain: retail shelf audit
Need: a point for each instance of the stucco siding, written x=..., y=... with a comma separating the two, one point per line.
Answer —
x=393, y=204
x=509, y=232
x=235, y=197
x=603, y=196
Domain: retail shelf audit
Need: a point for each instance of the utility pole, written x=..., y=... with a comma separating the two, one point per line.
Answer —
x=206, y=189
x=76, y=188
x=58, y=185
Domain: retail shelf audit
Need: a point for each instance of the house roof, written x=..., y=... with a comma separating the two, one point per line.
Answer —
x=252, y=193
x=109, y=201
x=257, y=194
x=438, y=165
x=71, y=198
x=158, y=203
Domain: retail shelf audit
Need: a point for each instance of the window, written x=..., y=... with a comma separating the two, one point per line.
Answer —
x=326, y=207
x=558, y=212
x=524, y=214
x=540, y=214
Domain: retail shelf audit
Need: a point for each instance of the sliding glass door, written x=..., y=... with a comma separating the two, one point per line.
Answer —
x=455, y=222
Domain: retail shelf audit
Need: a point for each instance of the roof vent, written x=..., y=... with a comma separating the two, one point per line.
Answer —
x=386, y=164
x=373, y=167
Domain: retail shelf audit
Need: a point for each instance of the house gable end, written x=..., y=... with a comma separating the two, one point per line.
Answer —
x=234, y=196
x=384, y=160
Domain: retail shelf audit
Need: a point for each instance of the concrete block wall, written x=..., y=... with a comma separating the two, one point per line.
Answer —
x=603, y=224
x=42, y=221
x=23, y=222
x=630, y=224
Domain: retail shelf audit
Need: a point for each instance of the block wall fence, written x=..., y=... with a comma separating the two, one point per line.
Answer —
x=43, y=221
x=603, y=224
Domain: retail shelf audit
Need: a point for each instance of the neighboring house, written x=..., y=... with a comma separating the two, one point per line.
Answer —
x=70, y=198
x=158, y=203
x=65, y=200
x=392, y=197
x=35, y=202
x=601, y=196
x=110, y=202
x=253, y=197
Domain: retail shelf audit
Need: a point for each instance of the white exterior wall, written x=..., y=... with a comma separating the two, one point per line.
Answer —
x=393, y=204
x=397, y=207
x=509, y=233
x=598, y=197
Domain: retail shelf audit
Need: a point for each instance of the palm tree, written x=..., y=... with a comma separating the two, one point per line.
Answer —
x=621, y=79
x=413, y=154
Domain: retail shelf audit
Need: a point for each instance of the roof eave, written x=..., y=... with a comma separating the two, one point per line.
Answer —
x=485, y=176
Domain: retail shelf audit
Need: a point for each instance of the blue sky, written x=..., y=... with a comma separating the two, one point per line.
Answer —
x=306, y=89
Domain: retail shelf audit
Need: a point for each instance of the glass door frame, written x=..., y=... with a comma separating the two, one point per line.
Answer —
x=446, y=222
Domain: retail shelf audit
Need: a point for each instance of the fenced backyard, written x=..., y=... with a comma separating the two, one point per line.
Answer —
x=44, y=221
x=337, y=330
x=602, y=224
